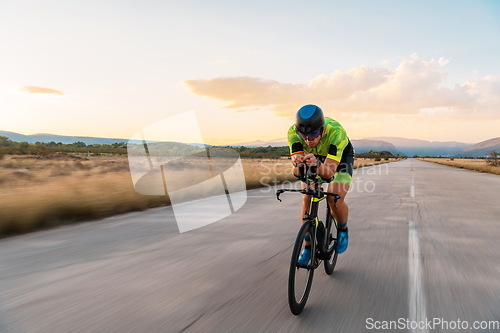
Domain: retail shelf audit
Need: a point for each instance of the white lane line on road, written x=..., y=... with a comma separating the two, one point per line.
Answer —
x=418, y=312
x=412, y=191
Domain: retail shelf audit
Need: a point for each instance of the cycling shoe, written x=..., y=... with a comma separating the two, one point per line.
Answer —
x=304, y=258
x=342, y=240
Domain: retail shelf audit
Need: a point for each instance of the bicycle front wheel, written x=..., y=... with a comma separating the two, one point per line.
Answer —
x=331, y=242
x=300, y=278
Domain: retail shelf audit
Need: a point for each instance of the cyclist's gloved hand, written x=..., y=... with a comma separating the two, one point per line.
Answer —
x=298, y=160
x=310, y=160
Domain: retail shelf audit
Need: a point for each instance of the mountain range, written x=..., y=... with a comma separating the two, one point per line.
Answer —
x=43, y=137
x=361, y=146
x=395, y=145
x=483, y=148
x=411, y=147
x=408, y=147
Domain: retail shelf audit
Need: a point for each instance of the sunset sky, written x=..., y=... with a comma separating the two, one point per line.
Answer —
x=421, y=69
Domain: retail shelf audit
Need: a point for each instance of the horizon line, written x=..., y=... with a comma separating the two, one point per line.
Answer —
x=245, y=141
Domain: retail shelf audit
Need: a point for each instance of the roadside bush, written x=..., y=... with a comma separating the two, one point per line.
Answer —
x=493, y=159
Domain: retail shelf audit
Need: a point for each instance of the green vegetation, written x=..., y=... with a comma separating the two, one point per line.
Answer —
x=278, y=152
x=9, y=147
x=263, y=152
x=377, y=155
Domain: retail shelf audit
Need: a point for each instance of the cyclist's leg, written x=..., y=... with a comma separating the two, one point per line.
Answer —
x=340, y=185
x=339, y=210
x=305, y=255
x=306, y=206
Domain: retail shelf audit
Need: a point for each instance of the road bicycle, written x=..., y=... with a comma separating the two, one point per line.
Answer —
x=322, y=248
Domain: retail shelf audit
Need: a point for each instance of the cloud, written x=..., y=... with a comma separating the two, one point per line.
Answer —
x=40, y=90
x=409, y=88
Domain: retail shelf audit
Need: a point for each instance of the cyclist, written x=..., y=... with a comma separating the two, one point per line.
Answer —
x=318, y=141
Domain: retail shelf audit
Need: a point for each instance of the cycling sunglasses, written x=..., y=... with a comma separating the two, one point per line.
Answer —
x=310, y=136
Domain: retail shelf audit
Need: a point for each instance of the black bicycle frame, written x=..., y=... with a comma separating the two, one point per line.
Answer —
x=317, y=194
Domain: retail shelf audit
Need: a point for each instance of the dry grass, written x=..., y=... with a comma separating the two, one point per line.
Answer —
x=69, y=199
x=466, y=163
x=37, y=193
x=266, y=171
x=363, y=162
x=41, y=192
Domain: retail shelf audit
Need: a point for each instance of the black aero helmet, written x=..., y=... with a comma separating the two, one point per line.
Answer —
x=309, y=119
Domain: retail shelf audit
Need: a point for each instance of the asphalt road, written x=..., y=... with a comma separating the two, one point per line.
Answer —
x=424, y=244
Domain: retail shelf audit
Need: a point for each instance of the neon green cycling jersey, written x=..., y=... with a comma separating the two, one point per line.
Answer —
x=331, y=145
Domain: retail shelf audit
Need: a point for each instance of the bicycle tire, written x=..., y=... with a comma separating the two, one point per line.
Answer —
x=297, y=303
x=330, y=263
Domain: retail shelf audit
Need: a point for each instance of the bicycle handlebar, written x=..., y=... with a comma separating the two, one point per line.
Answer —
x=310, y=173
x=307, y=192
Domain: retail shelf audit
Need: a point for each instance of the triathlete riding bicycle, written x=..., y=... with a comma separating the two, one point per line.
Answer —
x=318, y=141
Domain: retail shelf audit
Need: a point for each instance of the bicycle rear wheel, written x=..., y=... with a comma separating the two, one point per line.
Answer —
x=299, y=279
x=331, y=242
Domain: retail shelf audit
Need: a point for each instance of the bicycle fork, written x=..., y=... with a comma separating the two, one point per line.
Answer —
x=314, y=222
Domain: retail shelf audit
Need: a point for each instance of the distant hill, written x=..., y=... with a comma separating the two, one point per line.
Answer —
x=260, y=143
x=395, y=145
x=88, y=140
x=412, y=147
x=365, y=145
x=43, y=137
x=360, y=146
x=481, y=149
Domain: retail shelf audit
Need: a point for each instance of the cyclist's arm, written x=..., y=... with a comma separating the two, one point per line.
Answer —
x=327, y=170
x=297, y=160
x=296, y=151
x=338, y=141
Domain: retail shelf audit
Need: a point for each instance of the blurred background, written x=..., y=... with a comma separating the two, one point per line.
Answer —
x=411, y=82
